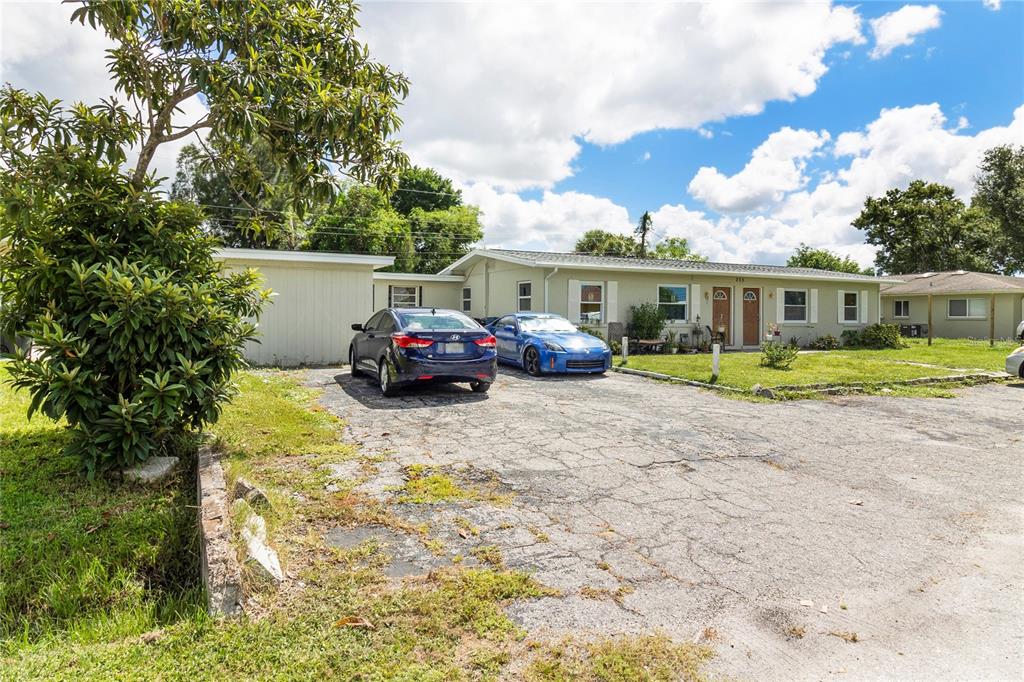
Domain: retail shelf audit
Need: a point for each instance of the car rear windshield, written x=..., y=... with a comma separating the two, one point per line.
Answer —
x=436, y=320
x=546, y=324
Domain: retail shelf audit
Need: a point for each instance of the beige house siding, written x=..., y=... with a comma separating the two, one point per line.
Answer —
x=308, y=320
x=1009, y=310
x=624, y=289
x=432, y=294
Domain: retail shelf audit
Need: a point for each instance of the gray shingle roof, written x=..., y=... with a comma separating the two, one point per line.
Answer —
x=545, y=258
x=958, y=281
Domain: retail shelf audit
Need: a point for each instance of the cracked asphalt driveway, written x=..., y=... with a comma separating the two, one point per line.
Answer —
x=771, y=530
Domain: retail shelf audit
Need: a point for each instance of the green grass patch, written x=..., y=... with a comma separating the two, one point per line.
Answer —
x=85, y=561
x=429, y=485
x=619, y=659
x=743, y=370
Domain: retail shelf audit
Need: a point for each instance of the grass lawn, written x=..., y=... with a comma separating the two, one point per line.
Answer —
x=95, y=585
x=743, y=370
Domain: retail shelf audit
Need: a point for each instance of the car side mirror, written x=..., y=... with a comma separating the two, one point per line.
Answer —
x=357, y=327
x=509, y=328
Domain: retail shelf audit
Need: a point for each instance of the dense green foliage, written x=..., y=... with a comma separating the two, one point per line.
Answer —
x=643, y=232
x=777, y=355
x=926, y=228
x=999, y=191
x=876, y=336
x=425, y=189
x=136, y=331
x=362, y=220
x=244, y=194
x=647, y=321
x=602, y=243
x=823, y=259
x=676, y=248
x=826, y=342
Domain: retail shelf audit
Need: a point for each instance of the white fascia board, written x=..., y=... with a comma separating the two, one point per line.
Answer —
x=710, y=273
x=485, y=253
x=304, y=257
x=414, y=277
x=969, y=292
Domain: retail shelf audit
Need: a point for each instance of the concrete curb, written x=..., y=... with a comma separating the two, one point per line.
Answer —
x=221, y=572
x=977, y=377
x=676, y=380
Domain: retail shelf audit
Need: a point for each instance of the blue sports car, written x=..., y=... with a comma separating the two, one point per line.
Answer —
x=542, y=342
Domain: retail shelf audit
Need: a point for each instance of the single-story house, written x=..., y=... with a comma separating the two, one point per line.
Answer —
x=957, y=304
x=319, y=296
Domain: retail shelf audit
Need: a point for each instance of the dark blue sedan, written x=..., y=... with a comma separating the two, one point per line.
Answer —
x=543, y=342
x=403, y=346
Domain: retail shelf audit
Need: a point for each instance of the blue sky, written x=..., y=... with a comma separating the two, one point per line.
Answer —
x=747, y=128
x=972, y=65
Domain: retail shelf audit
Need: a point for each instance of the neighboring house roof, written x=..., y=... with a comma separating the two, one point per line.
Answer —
x=305, y=257
x=956, y=282
x=582, y=261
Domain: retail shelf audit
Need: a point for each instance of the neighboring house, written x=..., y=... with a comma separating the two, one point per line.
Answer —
x=320, y=295
x=956, y=304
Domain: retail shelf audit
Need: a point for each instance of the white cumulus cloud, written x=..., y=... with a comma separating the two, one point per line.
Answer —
x=503, y=93
x=775, y=167
x=900, y=28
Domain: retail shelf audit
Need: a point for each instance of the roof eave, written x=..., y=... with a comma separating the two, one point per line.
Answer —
x=271, y=255
x=729, y=273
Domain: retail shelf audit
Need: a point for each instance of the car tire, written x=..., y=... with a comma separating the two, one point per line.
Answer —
x=480, y=386
x=352, y=362
x=387, y=388
x=531, y=361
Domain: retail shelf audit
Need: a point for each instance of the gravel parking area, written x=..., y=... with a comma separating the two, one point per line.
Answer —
x=778, y=533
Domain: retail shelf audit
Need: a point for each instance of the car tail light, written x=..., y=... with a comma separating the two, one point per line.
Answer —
x=425, y=377
x=486, y=342
x=406, y=341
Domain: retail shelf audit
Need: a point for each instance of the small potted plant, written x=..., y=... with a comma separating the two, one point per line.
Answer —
x=670, y=342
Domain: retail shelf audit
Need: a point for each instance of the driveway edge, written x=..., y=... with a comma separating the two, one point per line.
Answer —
x=221, y=572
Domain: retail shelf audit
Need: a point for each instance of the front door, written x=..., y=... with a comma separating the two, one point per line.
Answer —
x=721, y=316
x=751, y=317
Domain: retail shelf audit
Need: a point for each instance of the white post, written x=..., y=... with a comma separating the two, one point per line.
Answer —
x=715, y=356
x=625, y=349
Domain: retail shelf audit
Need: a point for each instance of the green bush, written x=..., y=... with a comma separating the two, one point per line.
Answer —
x=778, y=356
x=136, y=330
x=647, y=321
x=826, y=342
x=874, y=336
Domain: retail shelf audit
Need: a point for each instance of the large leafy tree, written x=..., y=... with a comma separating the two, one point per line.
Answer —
x=927, y=228
x=603, y=243
x=999, y=191
x=643, y=232
x=822, y=259
x=426, y=189
x=676, y=248
x=362, y=221
x=137, y=332
x=444, y=236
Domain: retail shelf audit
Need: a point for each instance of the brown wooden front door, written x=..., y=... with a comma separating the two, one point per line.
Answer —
x=720, y=313
x=751, y=316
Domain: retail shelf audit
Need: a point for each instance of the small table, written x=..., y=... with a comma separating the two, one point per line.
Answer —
x=647, y=345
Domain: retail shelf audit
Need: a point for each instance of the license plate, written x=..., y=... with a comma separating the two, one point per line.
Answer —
x=453, y=348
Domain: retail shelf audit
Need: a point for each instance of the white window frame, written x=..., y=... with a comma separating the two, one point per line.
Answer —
x=967, y=300
x=467, y=299
x=604, y=302
x=520, y=297
x=405, y=302
x=906, y=309
x=843, y=307
x=685, y=304
x=807, y=306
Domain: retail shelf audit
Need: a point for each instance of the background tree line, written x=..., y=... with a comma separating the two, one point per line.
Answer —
x=423, y=222
x=924, y=227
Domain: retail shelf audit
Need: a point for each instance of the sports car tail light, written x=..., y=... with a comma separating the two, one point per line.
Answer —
x=406, y=341
x=486, y=342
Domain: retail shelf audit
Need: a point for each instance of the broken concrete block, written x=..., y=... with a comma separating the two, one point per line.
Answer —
x=153, y=471
x=246, y=490
x=259, y=555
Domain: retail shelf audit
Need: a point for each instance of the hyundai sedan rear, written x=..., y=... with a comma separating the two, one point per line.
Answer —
x=405, y=346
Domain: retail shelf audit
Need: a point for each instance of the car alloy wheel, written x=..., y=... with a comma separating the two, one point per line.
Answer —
x=531, y=360
x=384, y=377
